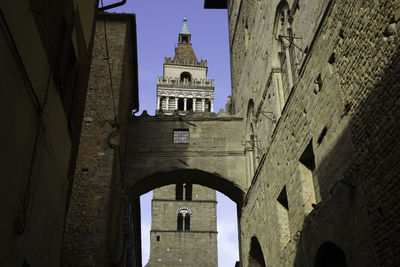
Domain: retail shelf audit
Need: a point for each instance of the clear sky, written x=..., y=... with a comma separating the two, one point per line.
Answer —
x=158, y=26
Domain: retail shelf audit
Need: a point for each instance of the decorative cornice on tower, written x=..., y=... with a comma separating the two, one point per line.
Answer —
x=177, y=81
x=176, y=61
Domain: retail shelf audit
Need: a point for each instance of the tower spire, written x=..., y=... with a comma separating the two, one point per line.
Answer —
x=184, y=35
x=185, y=29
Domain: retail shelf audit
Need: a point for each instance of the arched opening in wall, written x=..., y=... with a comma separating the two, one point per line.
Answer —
x=163, y=103
x=186, y=76
x=187, y=222
x=256, y=257
x=188, y=218
x=207, y=105
x=330, y=255
x=189, y=104
x=180, y=222
x=183, y=191
x=284, y=51
x=184, y=39
x=181, y=104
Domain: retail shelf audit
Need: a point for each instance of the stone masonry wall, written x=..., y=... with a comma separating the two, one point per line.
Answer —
x=368, y=57
x=197, y=247
x=194, y=244
x=345, y=104
x=164, y=216
x=214, y=155
x=199, y=193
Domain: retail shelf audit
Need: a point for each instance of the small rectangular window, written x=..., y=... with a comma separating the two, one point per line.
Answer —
x=181, y=136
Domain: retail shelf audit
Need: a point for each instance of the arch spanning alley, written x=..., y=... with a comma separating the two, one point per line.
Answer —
x=330, y=255
x=191, y=176
x=212, y=156
x=256, y=257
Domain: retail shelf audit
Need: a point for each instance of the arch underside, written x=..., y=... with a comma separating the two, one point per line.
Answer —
x=194, y=176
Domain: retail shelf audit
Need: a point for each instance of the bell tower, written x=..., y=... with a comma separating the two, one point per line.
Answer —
x=184, y=218
x=184, y=85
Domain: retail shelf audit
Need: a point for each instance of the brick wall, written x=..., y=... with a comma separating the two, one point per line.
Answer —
x=96, y=215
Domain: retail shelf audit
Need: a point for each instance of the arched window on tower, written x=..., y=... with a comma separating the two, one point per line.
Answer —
x=187, y=222
x=183, y=219
x=186, y=75
x=180, y=222
x=163, y=103
x=208, y=105
x=181, y=104
x=183, y=190
x=189, y=104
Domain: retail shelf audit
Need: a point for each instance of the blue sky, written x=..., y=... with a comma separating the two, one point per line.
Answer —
x=158, y=26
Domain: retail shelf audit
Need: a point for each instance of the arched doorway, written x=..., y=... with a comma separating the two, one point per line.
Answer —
x=330, y=255
x=256, y=258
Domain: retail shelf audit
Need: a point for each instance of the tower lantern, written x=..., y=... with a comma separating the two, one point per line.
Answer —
x=184, y=35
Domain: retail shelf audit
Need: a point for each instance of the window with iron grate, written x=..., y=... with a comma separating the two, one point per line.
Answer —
x=181, y=136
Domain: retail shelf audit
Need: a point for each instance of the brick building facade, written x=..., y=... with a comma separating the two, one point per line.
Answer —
x=99, y=228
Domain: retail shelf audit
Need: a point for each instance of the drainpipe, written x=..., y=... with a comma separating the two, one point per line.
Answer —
x=101, y=9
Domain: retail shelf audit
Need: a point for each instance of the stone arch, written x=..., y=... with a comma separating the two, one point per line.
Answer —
x=192, y=176
x=186, y=75
x=330, y=255
x=155, y=159
x=256, y=257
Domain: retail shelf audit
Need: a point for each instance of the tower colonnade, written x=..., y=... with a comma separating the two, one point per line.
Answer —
x=167, y=103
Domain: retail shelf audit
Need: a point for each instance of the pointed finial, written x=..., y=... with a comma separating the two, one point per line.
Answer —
x=184, y=29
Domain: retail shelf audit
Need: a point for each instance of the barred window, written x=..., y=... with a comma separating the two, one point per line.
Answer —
x=181, y=136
